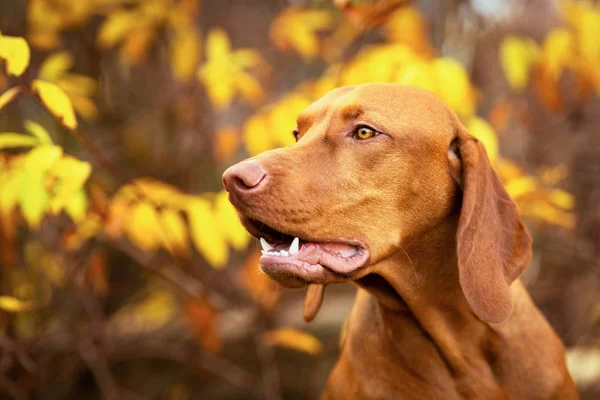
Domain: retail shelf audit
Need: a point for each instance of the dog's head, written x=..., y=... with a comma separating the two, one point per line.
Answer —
x=375, y=166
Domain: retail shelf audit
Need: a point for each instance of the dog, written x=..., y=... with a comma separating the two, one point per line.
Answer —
x=387, y=189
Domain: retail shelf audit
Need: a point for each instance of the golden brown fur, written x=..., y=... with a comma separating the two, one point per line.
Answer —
x=440, y=312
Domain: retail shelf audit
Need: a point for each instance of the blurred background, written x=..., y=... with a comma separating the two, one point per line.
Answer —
x=124, y=271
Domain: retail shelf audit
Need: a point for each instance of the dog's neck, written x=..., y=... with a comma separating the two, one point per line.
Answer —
x=422, y=280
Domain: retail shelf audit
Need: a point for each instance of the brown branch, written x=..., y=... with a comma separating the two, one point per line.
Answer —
x=269, y=369
x=8, y=387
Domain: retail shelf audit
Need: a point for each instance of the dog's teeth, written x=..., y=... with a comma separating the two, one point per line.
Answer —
x=295, y=246
x=265, y=246
x=284, y=253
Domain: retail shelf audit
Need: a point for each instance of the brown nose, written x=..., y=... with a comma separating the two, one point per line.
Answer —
x=244, y=177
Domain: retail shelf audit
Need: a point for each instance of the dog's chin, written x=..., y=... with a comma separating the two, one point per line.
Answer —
x=293, y=273
x=286, y=279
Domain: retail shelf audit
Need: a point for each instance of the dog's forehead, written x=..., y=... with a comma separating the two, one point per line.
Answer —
x=392, y=106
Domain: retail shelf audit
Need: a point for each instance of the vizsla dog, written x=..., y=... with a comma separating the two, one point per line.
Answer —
x=386, y=188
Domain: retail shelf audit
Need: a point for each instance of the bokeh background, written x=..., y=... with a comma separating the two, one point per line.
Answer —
x=124, y=271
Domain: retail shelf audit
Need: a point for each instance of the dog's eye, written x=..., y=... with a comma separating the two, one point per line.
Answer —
x=296, y=135
x=364, y=132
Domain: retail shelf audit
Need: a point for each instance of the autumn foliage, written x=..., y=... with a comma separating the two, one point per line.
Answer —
x=77, y=221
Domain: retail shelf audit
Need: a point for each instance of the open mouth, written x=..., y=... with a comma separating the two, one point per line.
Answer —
x=285, y=255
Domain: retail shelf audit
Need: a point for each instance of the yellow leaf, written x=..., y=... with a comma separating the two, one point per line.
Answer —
x=225, y=71
x=454, y=86
x=248, y=87
x=218, y=46
x=520, y=186
x=15, y=52
x=406, y=25
x=150, y=314
x=174, y=231
x=38, y=131
x=76, y=206
x=283, y=116
x=231, y=227
x=562, y=199
x=34, y=200
x=483, y=131
x=558, y=50
x=184, y=53
x=256, y=134
x=42, y=158
x=71, y=174
x=142, y=227
x=78, y=84
x=84, y=106
x=161, y=193
x=419, y=73
x=546, y=212
x=57, y=102
x=206, y=233
x=55, y=66
x=72, y=170
x=115, y=28
x=14, y=140
x=293, y=339
x=11, y=189
x=517, y=56
x=297, y=29
x=588, y=32
x=9, y=96
x=508, y=170
x=12, y=304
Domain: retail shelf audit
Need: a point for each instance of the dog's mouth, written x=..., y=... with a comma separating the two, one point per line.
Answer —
x=297, y=261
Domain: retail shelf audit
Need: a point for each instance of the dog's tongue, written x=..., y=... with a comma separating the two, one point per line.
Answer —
x=336, y=256
x=313, y=301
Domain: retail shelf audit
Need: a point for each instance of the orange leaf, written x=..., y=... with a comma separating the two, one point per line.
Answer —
x=547, y=90
x=258, y=285
x=202, y=317
x=499, y=115
x=227, y=141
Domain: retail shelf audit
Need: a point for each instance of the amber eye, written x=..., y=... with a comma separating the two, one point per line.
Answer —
x=364, y=132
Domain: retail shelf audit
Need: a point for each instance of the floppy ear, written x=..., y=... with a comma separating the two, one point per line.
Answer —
x=493, y=245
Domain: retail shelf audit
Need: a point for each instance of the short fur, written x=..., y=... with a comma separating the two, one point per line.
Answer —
x=440, y=312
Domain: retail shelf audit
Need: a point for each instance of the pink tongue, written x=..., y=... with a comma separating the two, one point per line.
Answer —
x=338, y=257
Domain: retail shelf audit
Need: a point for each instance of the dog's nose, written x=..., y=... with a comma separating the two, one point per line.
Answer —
x=244, y=177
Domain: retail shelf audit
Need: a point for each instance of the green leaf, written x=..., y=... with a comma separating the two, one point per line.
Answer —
x=38, y=131
x=11, y=140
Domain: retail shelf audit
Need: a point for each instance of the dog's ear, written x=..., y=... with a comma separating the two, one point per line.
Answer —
x=493, y=245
